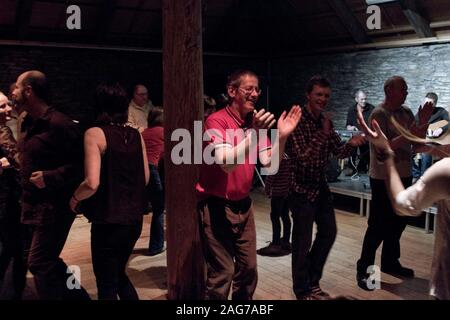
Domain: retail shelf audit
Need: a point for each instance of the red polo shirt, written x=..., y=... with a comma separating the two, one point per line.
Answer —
x=225, y=128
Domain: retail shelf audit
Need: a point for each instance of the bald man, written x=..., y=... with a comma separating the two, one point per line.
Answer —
x=352, y=125
x=51, y=168
x=384, y=226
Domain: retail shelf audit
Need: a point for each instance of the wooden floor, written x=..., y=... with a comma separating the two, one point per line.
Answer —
x=148, y=274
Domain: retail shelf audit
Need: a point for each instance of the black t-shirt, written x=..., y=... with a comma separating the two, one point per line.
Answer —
x=351, y=114
x=437, y=115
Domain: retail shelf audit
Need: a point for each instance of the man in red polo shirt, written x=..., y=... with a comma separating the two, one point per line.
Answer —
x=224, y=186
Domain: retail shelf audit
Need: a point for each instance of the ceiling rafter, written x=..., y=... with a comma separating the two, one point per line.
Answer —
x=229, y=19
x=349, y=21
x=23, y=17
x=133, y=21
x=415, y=17
x=296, y=25
x=104, y=18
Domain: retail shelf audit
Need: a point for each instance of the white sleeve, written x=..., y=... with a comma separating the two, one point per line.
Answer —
x=432, y=187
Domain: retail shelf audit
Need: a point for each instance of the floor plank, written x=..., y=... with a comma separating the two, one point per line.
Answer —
x=149, y=273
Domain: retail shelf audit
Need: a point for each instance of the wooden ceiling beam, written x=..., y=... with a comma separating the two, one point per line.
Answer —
x=104, y=18
x=23, y=17
x=139, y=6
x=420, y=24
x=349, y=21
x=229, y=20
x=296, y=25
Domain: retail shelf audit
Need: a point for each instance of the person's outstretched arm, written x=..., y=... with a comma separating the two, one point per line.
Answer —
x=432, y=187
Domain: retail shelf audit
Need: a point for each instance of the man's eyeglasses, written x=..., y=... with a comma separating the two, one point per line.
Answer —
x=249, y=91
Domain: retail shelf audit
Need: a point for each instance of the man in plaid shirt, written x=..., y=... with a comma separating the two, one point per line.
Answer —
x=308, y=149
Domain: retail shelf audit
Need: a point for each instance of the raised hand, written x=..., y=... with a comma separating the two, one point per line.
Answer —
x=263, y=120
x=288, y=122
x=425, y=113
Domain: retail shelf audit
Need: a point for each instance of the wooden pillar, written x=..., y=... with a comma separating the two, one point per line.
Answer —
x=183, y=104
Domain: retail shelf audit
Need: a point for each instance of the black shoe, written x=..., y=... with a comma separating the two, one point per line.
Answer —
x=156, y=252
x=319, y=294
x=316, y=293
x=398, y=270
x=286, y=246
x=272, y=250
x=362, y=280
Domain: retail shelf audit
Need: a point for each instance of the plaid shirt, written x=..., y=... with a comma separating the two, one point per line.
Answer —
x=277, y=185
x=308, y=149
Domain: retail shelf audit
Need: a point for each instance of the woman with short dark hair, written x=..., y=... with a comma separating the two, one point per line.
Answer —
x=116, y=174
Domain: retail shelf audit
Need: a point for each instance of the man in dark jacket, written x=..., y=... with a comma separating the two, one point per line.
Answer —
x=51, y=167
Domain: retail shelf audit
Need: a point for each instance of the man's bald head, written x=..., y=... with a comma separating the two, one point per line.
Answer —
x=37, y=80
x=396, y=91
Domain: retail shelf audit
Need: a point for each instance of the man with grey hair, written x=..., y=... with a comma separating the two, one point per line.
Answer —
x=139, y=108
x=352, y=125
x=383, y=224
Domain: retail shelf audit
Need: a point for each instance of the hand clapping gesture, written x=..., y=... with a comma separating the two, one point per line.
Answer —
x=288, y=121
x=263, y=120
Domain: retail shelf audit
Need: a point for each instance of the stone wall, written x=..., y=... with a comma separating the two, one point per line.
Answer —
x=425, y=68
x=74, y=74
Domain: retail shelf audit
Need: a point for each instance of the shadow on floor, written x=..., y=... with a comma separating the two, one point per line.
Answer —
x=403, y=289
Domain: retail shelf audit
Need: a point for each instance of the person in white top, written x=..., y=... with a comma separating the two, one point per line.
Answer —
x=432, y=187
x=139, y=108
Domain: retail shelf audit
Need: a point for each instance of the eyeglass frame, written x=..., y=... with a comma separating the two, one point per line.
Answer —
x=248, y=92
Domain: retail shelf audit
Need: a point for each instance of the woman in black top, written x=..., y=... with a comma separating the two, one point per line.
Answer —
x=116, y=174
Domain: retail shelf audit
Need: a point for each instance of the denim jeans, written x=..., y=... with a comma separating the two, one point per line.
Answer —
x=155, y=191
x=421, y=165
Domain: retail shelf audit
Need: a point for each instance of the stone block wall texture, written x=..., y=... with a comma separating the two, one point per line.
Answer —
x=425, y=68
x=74, y=74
